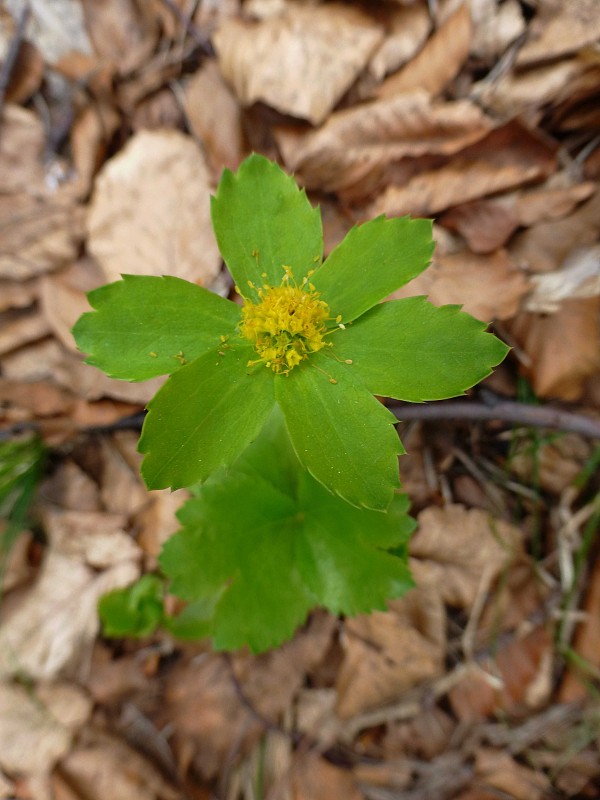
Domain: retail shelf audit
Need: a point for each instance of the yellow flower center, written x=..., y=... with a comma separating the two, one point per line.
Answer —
x=286, y=325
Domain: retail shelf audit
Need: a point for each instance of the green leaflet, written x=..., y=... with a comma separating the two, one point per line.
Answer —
x=270, y=543
x=203, y=417
x=374, y=260
x=136, y=610
x=263, y=222
x=145, y=326
x=412, y=350
x=341, y=434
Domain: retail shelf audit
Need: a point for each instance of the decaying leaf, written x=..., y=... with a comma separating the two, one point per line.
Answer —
x=496, y=26
x=508, y=157
x=438, y=62
x=40, y=222
x=387, y=653
x=487, y=286
x=150, y=211
x=51, y=631
x=560, y=29
x=454, y=548
x=313, y=778
x=579, y=277
x=409, y=28
x=37, y=728
x=300, y=62
x=562, y=348
x=355, y=146
x=214, y=117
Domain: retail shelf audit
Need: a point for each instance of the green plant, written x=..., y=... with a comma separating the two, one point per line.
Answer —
x=21, y=466
x=270, y=405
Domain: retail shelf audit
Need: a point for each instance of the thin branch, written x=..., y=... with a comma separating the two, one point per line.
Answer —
x=499, y=411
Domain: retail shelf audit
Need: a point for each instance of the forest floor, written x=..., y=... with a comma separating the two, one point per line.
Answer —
x=117, y=119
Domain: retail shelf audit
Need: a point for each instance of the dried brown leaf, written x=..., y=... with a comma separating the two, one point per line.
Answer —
x=106, y=767
x=18, y=328
x=300, y=62
x=214, y=117
x=36, y=729
x=485, y=224
x=555, y=464
x=545, y=246
x=440, y=60
x=40, y=223
x=313, y=778
x=355, y=147
x=559, y=30
x=455, y=549
x=496, y=26
x=562, y=349
x=51, y=631
x=526, y=92
x=150, y=211
x=550, y=202
x=487, y=286
x=56, y=28
x=517, y=678
x=508, y=157
x=122, y=489
x=578, y=277
x=122, y=31
x=387, y=653
x=408, y=30
x=497, y=770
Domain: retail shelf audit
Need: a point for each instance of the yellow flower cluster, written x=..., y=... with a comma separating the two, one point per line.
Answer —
x=286, y=325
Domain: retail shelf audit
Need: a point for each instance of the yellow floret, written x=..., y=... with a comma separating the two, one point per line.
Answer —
x=286, y=325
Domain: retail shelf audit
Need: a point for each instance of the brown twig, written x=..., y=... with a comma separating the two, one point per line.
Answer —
x=13, y=52
x=499, y=410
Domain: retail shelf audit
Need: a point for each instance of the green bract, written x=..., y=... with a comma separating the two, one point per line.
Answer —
x=311, y=340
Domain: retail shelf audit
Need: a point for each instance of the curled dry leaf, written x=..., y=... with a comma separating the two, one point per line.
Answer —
x=518, y=677
x=562, y=349
x=18, y=328
x=122, y=31
x=556, y=464
x=150, y=211
x=440, y=60
x=508, y=157
x=578, y=277
x=454, y=548
x=525, y=92
x=387, y=653
x=300, y=62
x=355, y=146
x=51, y=631
x=409, y=28
x=487, y=286
x=37, y=728
x=559, y=30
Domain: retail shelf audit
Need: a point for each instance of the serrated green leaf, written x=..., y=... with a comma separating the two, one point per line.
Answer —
x=145, y=326
x=271, y=543
x=204, y=416
x=373, y=260
x=342, y=555
x=136, y=610
x=341, y=434
x=195, y=621
x=263, y=222
x=412, y=350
